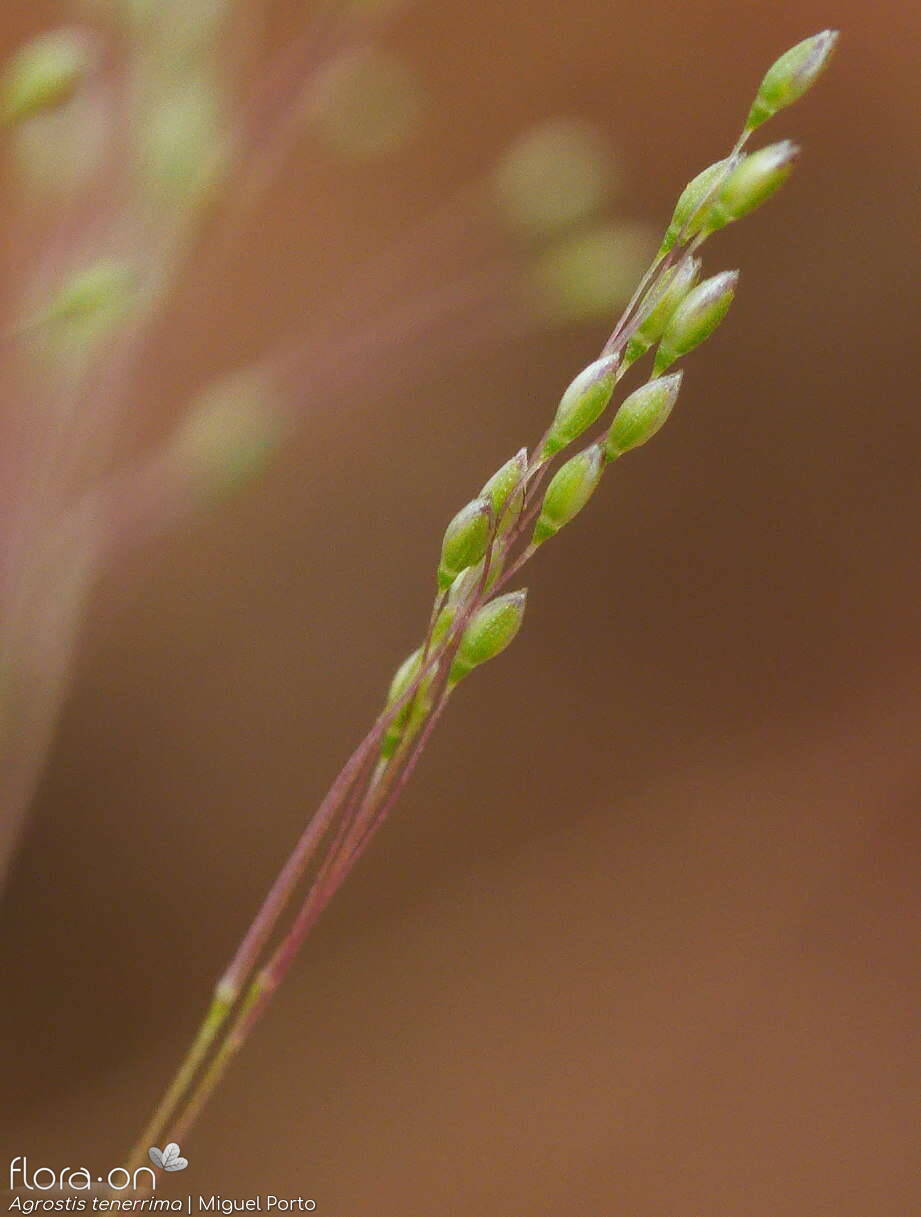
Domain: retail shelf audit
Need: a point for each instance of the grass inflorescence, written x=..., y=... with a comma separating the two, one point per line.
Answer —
x=475, y=614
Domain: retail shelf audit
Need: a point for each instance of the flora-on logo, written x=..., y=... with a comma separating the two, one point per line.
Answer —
x=79, y=1179
x=169, y=1158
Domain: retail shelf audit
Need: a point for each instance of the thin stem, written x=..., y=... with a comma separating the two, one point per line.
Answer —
x=257, y=996
x=374, y=822
x=216, y=1069
x=525, y=556
x=350, y=843
x=271, y=976
x=247, y=955
x=248, y=952
x=215, y=1019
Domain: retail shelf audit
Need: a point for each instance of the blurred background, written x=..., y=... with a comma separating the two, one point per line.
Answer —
x=643, y=935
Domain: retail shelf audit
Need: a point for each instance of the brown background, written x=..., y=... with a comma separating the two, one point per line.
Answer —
x=643, y=938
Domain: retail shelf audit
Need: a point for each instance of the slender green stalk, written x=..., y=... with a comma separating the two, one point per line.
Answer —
x=484, y=534
x=243, y=964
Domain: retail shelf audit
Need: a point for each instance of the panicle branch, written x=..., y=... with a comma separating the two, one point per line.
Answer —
x=491, y=538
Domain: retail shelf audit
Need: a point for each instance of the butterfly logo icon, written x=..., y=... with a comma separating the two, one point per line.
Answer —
x=169, y=1158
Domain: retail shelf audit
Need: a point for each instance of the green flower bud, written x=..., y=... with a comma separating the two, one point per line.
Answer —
x=45, y=73
x=492, y=628
x=583, y=402
x=184, y=147
x=641, y=415
x=752, y=183
x=86, y=308
x=591, y=272
x=673, y=289
x=470, y=578
x=465, y=541
x=366, y=103
x=445, y=619
x=692, y=208
x=230, y=435
x=696, y=318
x=794, y=73
x=570, y=489
x=101, y=289
x=467, y=583
x=558, y=174
x=505, y=490
x=405, y=674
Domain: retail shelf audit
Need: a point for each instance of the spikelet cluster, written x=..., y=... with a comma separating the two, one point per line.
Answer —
x=672, y=313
